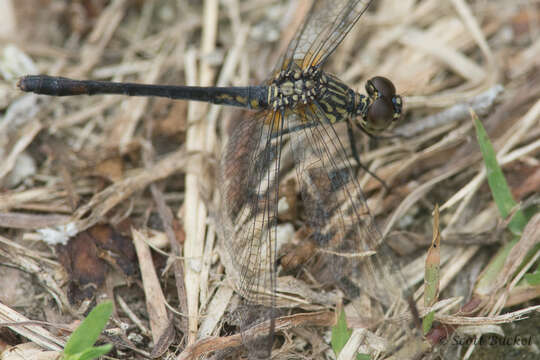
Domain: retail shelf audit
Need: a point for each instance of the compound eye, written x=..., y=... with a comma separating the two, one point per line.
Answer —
x=383, y=86
x=380, y=115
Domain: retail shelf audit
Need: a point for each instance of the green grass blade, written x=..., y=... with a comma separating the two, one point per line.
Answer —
x=340, y=334
x=427, y=322
x=432, y=273
x=533, y=278
x=88, y=331
x=95, y=352
x=489, y=275
x=497, y=183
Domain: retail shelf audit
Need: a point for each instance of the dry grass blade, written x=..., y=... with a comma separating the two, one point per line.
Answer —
x=199, y=137
x=36, y=333
x=155, y=301
x=212, y=344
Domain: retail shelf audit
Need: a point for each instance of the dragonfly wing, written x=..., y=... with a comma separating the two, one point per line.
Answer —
x=249, y=179
x=326, y=24
x=349, y=245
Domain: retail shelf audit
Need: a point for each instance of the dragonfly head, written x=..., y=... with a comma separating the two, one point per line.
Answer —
x=381, y=108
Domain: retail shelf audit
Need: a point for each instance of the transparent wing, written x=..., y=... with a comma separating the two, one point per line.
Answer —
x=325, y=26
x=249, y=180
x=348, y=242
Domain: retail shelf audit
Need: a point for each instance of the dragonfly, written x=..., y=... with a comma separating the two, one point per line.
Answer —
x=294, y=119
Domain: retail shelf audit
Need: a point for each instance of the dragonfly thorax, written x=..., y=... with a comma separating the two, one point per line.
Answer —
x=293, y=87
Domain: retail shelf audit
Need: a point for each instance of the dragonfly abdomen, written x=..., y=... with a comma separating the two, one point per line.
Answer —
x=251, y=97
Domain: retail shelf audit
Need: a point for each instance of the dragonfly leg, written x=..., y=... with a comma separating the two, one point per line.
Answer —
x=357, y=157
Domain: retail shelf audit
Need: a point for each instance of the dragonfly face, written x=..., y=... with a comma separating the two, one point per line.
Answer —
x=383, y=107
